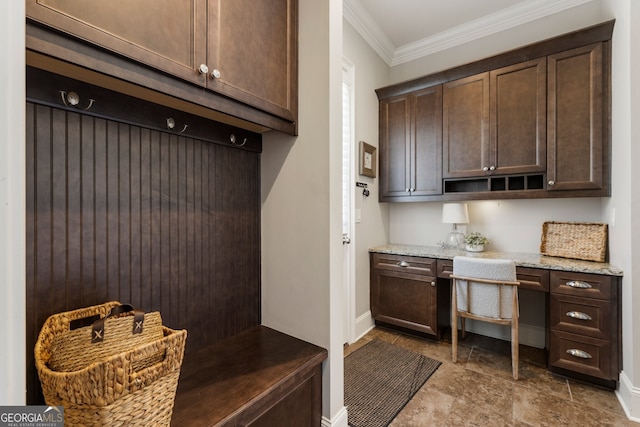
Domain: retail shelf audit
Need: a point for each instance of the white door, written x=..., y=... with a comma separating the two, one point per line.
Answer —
x=348, y=184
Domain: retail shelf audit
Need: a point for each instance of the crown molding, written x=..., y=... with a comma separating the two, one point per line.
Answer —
x=368, y=28
x=505, y=19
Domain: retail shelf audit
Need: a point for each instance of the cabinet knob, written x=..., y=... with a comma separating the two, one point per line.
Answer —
x=492, y=168
x=485, y=169
x=203, y=69
x=215, y=73
x=433, y=283
x=551, y=182
x=403, y=264
x=407, y=190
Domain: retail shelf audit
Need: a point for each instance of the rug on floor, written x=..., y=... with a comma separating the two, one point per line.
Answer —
x=380, y=379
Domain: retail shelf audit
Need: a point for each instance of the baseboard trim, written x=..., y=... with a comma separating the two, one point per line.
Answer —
x=364, y=323
x=341, y=419
x=629, y=398
x=533, y=336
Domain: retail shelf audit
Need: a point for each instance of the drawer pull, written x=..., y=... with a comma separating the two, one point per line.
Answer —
x=578, y=284
x=403, y=264
x=578, y=315
x=579, y=353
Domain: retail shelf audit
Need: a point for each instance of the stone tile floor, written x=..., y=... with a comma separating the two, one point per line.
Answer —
x=479, y=390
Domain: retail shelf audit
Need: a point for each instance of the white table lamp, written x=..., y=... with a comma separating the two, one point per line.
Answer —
x=455, y=213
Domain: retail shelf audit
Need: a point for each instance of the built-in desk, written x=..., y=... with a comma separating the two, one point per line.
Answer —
x=410, y=289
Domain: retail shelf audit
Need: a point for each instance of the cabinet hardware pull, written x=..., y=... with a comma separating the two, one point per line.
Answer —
x=485, y=169
x=203, y=69
x=578, y=284
x=578, y=315
x=215, y=73
x=403, y=264
x=492, y=168
x=433, y=283
x=579, y=353
x=551, y=182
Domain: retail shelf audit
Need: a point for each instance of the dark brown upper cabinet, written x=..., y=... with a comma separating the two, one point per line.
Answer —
x=577, y=126
x=533, y=122
x=242, y=49
x=252, y=54
x=466, y=126
x=411, y=137
x=518, y=118
x=495, y=123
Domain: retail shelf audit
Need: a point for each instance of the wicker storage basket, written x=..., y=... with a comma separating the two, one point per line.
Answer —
x=577, y=240
x=135, y=387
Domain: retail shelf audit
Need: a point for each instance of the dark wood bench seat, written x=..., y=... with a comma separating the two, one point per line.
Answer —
x=260, y=377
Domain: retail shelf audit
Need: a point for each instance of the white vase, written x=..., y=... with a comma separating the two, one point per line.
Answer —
x=475, y=248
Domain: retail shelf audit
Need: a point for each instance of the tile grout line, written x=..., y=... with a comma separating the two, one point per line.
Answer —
x=569, y=388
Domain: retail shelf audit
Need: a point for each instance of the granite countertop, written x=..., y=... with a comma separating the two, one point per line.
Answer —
x=521, y=259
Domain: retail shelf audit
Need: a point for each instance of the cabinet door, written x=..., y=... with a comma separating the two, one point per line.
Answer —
x=426, y=142
x=518, y=118
x=395, y=136
x=576, y=123
x=253, y=53
x=162, y=34
x=408, y=301
x=465, y=133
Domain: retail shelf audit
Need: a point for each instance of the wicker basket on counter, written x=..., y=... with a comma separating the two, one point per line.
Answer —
x=576, y=240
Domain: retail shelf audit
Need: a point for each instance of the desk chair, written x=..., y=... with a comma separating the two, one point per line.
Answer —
x=486, y=290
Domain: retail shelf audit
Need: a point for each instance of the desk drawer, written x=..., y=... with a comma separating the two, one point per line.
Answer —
x=584, y=316
x=583, y=285
x=404, y=264
x=578, y=353
x=534, y=279
x=445, y=268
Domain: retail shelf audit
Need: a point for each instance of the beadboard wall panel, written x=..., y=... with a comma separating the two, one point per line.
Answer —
x=122, y=212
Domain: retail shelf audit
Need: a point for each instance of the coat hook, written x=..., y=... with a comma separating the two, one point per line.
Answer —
x=72, y=99
x=171, y=124
x=235, y=142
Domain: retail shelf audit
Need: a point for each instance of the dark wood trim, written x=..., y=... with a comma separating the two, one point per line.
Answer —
x=132, y=110
x=593, y=34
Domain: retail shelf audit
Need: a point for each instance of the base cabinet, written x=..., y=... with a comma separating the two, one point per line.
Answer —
x=585, y=325
x=258, y=378
x=582, y=311
x=404, y=292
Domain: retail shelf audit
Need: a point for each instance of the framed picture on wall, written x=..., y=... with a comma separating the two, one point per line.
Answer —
x=367, y=160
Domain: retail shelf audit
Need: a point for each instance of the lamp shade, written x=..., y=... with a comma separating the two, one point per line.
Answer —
x=455, y=213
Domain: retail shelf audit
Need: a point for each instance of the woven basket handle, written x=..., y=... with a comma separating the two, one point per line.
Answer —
x=97, y=329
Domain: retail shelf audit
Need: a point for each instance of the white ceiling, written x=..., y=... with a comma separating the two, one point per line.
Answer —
x=404, y=30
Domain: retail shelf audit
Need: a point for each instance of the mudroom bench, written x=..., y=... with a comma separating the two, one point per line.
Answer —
x=260, y=377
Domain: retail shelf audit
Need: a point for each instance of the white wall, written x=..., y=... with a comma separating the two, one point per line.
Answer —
x=371, y=72
x=12, y=205
x=624, y=237
x=301, y=205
